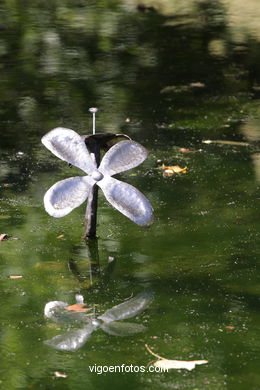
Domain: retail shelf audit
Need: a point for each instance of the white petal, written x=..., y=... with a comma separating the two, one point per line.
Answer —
x=69, y=146
x=66, y=195
x=128, y=200
x=122, y=156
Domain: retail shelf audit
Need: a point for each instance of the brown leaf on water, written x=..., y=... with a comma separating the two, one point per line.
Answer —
x=185, y=150
x=15, y=277
x=59, y=374
x=4, y=236
x=60, y=236
x=167, y=364
x=7, y=185
x=198, y=84
x=231, y=327
x=78, y=307
x=170, y=170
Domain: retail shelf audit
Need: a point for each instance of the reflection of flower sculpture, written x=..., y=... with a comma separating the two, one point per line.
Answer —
x=109, y=321
x=70, y=193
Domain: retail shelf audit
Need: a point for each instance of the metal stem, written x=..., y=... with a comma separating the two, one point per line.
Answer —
x=91, y=211
x=94, y=123
x=93, y=110
x=91, y=214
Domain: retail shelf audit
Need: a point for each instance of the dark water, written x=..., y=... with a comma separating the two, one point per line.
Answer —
x=169, y=80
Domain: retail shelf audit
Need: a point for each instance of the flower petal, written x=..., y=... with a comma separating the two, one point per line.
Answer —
x=69, y=146
x=122, y=156
x=66, y=195
x=128, y=200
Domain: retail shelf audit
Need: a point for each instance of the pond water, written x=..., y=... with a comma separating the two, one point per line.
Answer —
x=170, y=76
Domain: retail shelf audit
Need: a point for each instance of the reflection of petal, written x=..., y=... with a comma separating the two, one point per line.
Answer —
x=69, y=146
x=67, y=194
x=122, y=156
x=128, y=309
x=53, y=308
x=58, y=312
x=72, y=340
x=128, y=200
x=122, y=328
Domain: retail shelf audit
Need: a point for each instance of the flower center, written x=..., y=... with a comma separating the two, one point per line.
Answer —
x=97, y=176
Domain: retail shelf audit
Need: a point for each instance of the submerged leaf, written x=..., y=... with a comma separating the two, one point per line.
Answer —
x=231, y=327
x=78, y=307
x=60, y=374
x=173, y=170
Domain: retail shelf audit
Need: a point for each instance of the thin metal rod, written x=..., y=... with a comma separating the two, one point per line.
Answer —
x=94, y=123
x=93, y=110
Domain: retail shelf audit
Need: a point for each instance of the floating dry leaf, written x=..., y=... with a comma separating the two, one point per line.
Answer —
x=173, y=170
x=60, y=374
x=224, y=142
x=60, y=236
x=78, y=307
x=230, y=327
x=6, y=185
x=198, y=84
x=185, y=150
x=167, y=364
x=15, y=276
x=4, y=236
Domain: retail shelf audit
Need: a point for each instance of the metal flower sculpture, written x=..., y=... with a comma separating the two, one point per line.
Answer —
x=70, y=193
x=109, y=322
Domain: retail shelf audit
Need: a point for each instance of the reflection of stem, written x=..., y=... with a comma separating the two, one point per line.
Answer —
x=93, y=271
x=93, y=253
